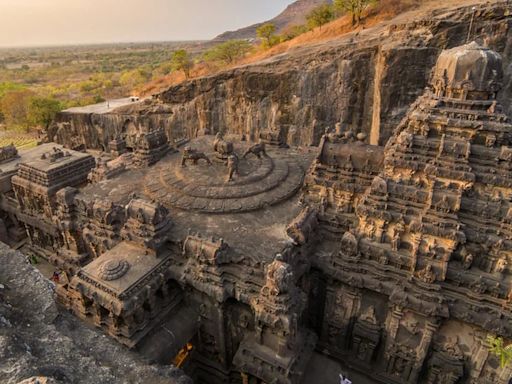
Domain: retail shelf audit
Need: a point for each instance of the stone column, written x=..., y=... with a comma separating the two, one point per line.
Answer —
x=393, y=323
x=422, y=350
x=479, y=358
x=221, y=339
x=330, y=301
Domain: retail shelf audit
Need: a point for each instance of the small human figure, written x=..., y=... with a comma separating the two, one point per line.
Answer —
x=56, y=277
x=344, y=380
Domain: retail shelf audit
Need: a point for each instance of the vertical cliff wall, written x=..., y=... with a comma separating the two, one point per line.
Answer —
x=367, y=79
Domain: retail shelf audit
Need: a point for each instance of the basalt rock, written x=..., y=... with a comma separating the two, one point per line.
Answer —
x=366, y=79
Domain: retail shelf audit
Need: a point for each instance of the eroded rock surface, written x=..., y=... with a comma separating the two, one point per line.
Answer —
x=367, y=79
x=39, y=342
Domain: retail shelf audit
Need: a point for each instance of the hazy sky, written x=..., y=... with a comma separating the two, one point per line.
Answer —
x=43, y=22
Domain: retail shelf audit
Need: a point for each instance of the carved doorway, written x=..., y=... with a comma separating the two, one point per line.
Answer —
x=316, y=288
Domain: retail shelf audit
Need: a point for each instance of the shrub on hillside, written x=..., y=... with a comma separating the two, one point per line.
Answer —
x=228, y=52
x=267, y=34
x=320, y=15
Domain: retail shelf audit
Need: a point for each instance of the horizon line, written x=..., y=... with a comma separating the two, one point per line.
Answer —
x=64, y=45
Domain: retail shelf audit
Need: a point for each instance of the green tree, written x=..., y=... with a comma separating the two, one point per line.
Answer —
x=181, y=61
x=42, y=111
x=293, y=31
x=320, y=15
x=229, y=51
x=267, y=33
x=497, y=348
x=15, y=107
x=132, y=79
x=354, y=7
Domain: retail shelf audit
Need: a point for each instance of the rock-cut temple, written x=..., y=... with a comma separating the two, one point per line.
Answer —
x=256, y=257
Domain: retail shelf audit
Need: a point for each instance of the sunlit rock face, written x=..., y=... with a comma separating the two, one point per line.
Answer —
x=367, y=80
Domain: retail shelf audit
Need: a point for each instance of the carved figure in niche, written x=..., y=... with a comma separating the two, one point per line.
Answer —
x=362, y=351
x=452, y=347
x=444, y=204
x=257, y=150
x=427, y=275
x=338, y=310
x=370, y=230
x=490, y=140
x=467, y=260
x=279, y=277
x=405, y=140
x=506, y=154
x=369, y=315
x=233, y=163
x=190, y=154
x=395, y=241
x=244, y=320
x=432, y=249
x=501, y=265
x=412, y=326
x=324, y=201
x=349, y=244
x=479, y=286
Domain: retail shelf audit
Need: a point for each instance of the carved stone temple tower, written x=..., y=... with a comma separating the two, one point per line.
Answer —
x=425, y=270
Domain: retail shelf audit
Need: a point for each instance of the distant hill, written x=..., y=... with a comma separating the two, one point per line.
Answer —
x=294, y=14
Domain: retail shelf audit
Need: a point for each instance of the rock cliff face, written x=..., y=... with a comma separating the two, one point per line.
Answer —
x=367, y=79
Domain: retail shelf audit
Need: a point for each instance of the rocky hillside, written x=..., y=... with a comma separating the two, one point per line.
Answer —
x=368, y=79
x=36, y=340
x=294, y=14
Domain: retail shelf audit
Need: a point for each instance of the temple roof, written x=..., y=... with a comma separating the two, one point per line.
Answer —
x=470, y=63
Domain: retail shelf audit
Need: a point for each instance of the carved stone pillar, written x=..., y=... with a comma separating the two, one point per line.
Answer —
x=393, y=323
x=96, y=311
x=416, y=240
x=221, y=321
x=422, y=350
x=479, y=357
x=330, y=299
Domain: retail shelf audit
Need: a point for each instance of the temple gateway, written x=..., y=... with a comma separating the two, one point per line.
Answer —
x=241, y=261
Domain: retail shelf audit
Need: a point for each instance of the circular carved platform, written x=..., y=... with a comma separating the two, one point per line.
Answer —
x=113, y=269
x=204, y=188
